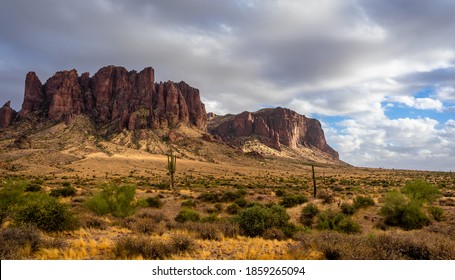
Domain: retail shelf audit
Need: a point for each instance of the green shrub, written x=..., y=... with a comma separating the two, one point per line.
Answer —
x=231, y=196
x=308, y=213
x=254, y=221
x=10, y=196
x=189, y=203
x=116, y=200
x=329, y=220
x=187, y=215
x=209, y=197
x=421, y=191
x=241, y=202
x=232, y=209
x=280, y=192
x=363, y=202
x=154, y=202
x=46, y=213
x=437, y=213
x=65, y=191
x=400, y=211
x=33, y=187
x=293, y=200
x=348, y=208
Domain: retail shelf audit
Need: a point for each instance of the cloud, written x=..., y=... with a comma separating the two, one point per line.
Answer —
x=418, y=103
x=354, y=59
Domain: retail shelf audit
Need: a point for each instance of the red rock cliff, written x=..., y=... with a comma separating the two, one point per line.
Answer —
x=276, y=127
x=113, y=94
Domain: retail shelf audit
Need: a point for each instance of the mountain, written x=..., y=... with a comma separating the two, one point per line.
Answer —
x=274, y=128
x=113, y=95
x=129, y=107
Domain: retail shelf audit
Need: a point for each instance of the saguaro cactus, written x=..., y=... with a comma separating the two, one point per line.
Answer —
x=171, y=166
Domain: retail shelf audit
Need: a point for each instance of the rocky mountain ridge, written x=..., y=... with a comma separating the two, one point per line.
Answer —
x=132, y=101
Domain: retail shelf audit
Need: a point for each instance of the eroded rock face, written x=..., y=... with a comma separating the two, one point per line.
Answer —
x=33, y=95
x=6, y=115
x=276, y=127
x=113, y=94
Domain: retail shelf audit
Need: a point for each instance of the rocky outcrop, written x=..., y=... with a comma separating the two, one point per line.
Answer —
x=132, y=100
x=33, y=95
x=276, y=127
x=6, y=115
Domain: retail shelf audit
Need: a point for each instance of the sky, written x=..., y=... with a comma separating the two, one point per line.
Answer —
x=379, y=75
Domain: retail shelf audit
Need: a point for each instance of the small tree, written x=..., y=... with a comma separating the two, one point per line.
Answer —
x=171, y=166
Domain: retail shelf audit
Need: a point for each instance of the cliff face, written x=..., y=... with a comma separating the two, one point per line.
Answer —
x=6, y=115
x=114, y=94
x=276, y=127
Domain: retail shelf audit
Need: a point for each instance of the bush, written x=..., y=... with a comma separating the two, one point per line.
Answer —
x=293, y=200
x=9, y=197
x=254, y=221
x=46, y=213
x=326, y=197
x=396, y=246
x=33, y=187
x=400, y=211
x=189, y=203
x=154, y=202
x=232, y=209
x=329, y=220
x=116, y=200
x=241, y=202
x=65, y=191
x=209, y=197
x=132, y=247
x=437, y=213
x=421, y=191
x=363, y=202
x=348, y=209
x=187, y=215
x=308, y=213
x=14, y=240
x=280, y=192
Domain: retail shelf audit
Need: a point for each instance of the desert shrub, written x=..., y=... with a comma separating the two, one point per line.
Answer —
x=189, y=203
x=228, y=228
x=33, y=187
x=9, y=197
x=308, y=213
x=400, y=211
x=396, y=246
x=65, y=191
x=154, y=202
x=132, y=247
x=326, y=197
x=241, y=202
x=209, y=197
x=230, y=196
x=207, y=231
x=421, y=191
x=14, y=240
x=436, y=212
x=256, y=220
x=232, y=209
x=116, y=200
x=161, y=186
x=293, y=200
x=280, y=192
x=46, y=213
x=363, y=202
x=92, y=222
x=186, y=215
x=274, y=234
x=329, y=220
x=348, y=208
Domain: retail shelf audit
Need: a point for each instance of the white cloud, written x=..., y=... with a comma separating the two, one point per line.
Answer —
x=418, y=103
